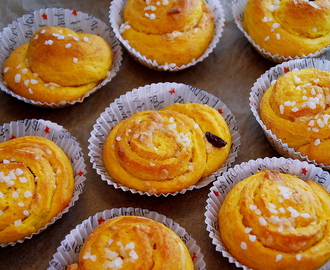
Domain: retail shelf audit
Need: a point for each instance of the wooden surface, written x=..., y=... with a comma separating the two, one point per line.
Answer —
x=228, y=73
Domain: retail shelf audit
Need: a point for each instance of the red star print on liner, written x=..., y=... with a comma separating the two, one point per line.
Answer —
x=194, y=256
x=12, y=137
x=80, y=173
x=47, y=130
x=220, y=111
x=74, y=13
x=286, y=69
x=216, y=193
x=172, y=91
x=100, y=220
x=44, y=16
x=304, y=171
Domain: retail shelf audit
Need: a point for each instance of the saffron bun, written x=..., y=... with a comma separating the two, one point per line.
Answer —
x=36, y=184
x=288, y=28
x=156, y=152
x=296, y=108
x=209, y=120
x=279, y=222
x=168, y=32
x=57, y=64
x=168, y=150
x=133, y=242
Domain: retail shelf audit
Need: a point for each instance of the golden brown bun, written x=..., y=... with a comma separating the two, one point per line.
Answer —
x=272, y=220
x=36, y=182
x=57, y=65
x=179, y=33
x=297, y=108
x=156, y=152
x=209, y=120
x=134, y=242
x=294, y=28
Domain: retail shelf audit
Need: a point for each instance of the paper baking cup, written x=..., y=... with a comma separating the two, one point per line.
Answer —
x=155, y=97
x=116, y=20
x=68, y=252
x=238, y=7
x=264, y=82
x=20, y=31
x=229, y=179
x=63, y=139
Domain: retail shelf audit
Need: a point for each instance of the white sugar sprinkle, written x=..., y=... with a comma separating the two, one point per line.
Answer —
x=317, y=142
x=28, y=194
x=75, y=59
x=248, y=230
x=243, y=245
x=17, y=222
x=33, y=81
x=17, y=78
x=86, y=39
x=278, y=257
x=118, y=138
x=262, y=221
x=6, y=69
x=298, y=257
x=49, y=42
x=252, y=238
x=68, y=45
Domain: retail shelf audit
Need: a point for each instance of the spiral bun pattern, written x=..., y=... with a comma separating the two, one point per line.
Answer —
x=36, y=184
x=156, y=151
x=133, y=242
x=170, y=31
x=288, y=28
x=279, y=222
x=57, y=64
x=296, y=108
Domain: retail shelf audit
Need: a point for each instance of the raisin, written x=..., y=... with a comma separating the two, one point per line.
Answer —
x=215, y=140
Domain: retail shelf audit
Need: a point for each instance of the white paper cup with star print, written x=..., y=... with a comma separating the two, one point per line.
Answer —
x=64, y=140
x=155, y=97
x=20, y=31
x=224, y=184
x=68, y=252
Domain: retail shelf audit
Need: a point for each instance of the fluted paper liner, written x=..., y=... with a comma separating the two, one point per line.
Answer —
x=155, y=97
x=68, y=252
x=238, y=7
x=116, y=19
x=64, y=139
x=20, y=31
x=264, y=82
x=229, y=179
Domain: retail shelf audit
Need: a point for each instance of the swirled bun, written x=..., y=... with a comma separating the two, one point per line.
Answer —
x=57, y=65
x=209, y=120
x=272, y=220
x=36, y=184
x=132, y=242
x=297, y=110
x=288, y=28
x=168, y=31
x=156, y=152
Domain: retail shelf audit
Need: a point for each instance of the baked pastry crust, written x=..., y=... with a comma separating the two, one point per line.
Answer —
x=132, y=242
x=272, y=220
x=209, y=120
x=297, y=109
x=170, y=31
x=36, y=184
x=57, y=65
x=156, y=152
x=288, y=28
